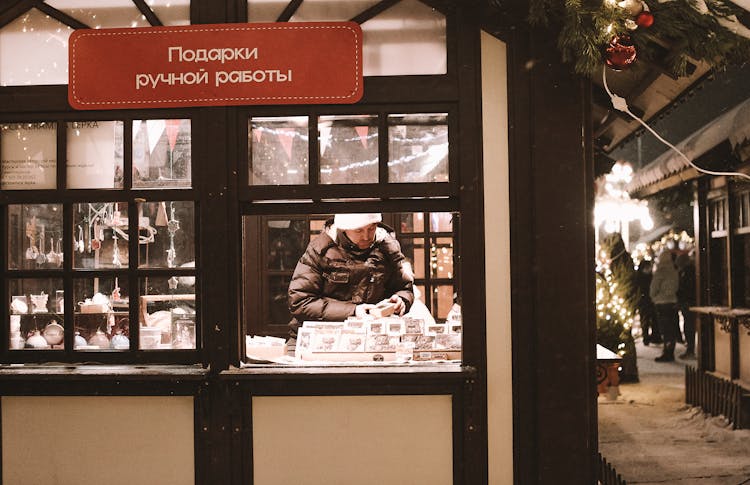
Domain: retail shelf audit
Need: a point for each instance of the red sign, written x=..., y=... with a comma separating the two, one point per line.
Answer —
x=216, y=65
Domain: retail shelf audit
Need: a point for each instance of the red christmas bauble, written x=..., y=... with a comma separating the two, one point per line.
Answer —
x=620, y=53
x=645, y=19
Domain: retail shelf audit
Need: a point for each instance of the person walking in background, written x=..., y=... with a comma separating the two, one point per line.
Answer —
x=686, y=299
x=646, y=308
x=663, y=292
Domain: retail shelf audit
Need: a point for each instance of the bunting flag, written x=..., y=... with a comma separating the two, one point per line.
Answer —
x=362, y=131
x=173, y=127
x=324, y=139
x=257, y=133
x=286, y=138
x=154, y=128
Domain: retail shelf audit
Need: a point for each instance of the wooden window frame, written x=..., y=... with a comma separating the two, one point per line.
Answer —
x=67, y=198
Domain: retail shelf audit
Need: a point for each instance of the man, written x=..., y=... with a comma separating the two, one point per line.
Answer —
x=685, y=299
x=354, y=264
x=663, y=292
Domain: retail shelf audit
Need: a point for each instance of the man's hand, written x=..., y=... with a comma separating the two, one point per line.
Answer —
x=398, y=302
x=362, y=310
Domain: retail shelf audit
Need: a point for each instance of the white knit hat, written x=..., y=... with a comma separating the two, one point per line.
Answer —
x=347, y=222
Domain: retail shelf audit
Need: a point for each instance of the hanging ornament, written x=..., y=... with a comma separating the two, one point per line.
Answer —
x=632, y=7
x=620, y=53
x=645, y=19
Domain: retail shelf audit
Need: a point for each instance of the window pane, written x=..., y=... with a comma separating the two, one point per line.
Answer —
x=101, y=313
x=418, y=148
x=99, y=14
x=34, y=50
x=29, y=156
x=35, y=236
x=100, y=238
x=171, y=12
x=441, y=257
x=442, y=301
x=278, y=149
x=413, y=249
x=95, y=154
x=441, y=222
x=167, y=313
x=348, y=149
x=36, y=319
x=286, y=243
x=408, y=38
x=413, y=222
x=161, y=153
x=166, y=234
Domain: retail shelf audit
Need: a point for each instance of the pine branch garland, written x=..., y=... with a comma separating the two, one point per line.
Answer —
x=684, y=29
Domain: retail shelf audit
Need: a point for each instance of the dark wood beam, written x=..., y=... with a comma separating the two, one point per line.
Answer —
x=13, y=10
x=289, y=10
x=61, y=16
x=147, y=12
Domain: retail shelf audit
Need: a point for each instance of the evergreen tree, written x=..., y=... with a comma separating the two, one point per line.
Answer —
x=616, y=299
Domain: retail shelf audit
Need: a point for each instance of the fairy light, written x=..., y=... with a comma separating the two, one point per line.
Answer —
x=611, y=307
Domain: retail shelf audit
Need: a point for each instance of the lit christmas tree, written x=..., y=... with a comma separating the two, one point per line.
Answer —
x=616, y=298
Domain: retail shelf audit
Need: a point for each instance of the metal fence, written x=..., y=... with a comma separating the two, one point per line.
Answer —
x=607, y=474
x=716, y=396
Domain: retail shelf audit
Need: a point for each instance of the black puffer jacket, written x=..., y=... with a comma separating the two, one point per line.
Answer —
x=334, y=276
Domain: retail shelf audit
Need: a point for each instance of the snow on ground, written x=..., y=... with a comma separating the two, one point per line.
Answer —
x=651, y=436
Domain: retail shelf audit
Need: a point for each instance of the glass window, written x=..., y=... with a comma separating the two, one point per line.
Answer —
x=29, y=156
x=95, y=155
x=171, y=12
x=167, y=234
x=408, y=38
x=434, y=265
x=34, y=50
x=418, y=148
x=348, y=149
x=36, y=320
x=167, y=313
x=99, y=14
x=161, y=154
x=101, y=236
x=35, y=234
x=279, y=151
x=102, y=318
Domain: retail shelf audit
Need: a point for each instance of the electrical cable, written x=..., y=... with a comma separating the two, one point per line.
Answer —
x=621, y=104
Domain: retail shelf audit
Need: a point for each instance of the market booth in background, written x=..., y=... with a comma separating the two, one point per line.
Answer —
x=716, y=140
x=148, y=245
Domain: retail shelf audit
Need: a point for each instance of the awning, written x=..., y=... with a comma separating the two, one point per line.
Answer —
x=653, y=235
x=734, y=126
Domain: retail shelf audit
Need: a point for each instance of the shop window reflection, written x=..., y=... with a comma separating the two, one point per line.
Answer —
x=348, y=149
x=162, y=156
x=418, y=148
x=278, y=150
